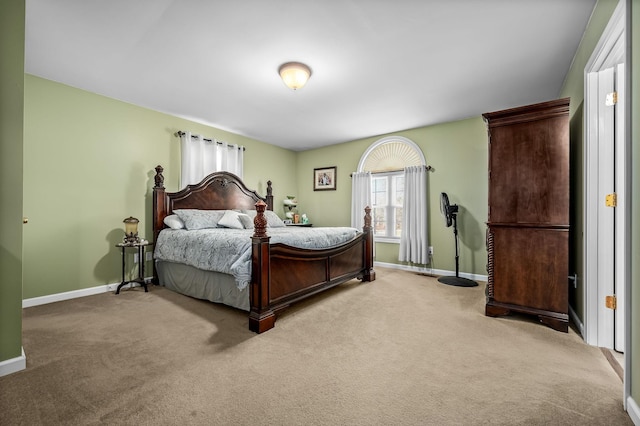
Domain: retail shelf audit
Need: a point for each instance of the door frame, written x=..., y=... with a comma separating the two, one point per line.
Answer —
x=610, y=51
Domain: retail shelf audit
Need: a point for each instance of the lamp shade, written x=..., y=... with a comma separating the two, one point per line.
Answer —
x=294, y=74
x=131, y=230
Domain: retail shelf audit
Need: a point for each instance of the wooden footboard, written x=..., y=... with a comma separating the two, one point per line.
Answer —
x=282, y=275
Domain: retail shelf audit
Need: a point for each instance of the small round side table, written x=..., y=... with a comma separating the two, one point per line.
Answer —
x=141, y=260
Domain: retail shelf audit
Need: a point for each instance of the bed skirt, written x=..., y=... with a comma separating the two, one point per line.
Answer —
x=213, y=286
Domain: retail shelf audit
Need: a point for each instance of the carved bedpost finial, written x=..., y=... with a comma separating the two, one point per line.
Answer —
x=260, y=222
x=159, y=179
x=269, y=189
x=367, y=217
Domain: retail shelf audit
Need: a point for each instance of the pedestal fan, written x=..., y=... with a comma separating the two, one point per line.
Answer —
x=450, y=213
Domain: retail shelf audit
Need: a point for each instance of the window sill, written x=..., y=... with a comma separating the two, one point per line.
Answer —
x=386, y=240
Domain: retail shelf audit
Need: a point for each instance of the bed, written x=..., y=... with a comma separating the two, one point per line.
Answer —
x=279, y=274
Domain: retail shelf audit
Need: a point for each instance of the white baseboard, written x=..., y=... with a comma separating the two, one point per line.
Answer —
x=634, y=411
x=13, y=365
x=67, y=295
x=430, y=271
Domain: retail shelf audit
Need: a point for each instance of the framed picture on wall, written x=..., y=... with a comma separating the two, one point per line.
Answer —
x=324, y=178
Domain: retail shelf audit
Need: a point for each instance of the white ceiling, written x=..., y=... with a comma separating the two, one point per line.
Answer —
x=379, y=66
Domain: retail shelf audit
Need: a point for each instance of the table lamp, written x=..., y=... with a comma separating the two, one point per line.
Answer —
x=131, y=230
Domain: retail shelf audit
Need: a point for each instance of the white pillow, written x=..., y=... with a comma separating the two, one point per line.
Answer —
x=246, y=221
x=273, y=220
x=174, y=222
x=230, y=219
x=199, y=219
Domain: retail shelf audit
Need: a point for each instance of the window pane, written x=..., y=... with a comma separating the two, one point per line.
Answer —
x=380, y=199
x=379, y=221
x=379, y=192
x=387, y=198
x=379, y=184
x=398, y=224
x=398, y=194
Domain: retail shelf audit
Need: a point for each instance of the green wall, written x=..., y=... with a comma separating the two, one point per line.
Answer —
x=12, y=14
x=458, y=153
x=88, y=164
x=99, y=156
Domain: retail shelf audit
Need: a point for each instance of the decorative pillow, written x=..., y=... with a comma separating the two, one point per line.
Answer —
x=200, y=219
x=246, y=221
x=273, y=221
x=230, y=219
x=173, y=221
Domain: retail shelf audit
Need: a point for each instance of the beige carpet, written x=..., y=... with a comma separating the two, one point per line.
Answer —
x=403, y=350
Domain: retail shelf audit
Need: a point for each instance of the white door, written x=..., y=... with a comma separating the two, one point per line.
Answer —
x=606, y=122
x=620, y=234
x=603, y=327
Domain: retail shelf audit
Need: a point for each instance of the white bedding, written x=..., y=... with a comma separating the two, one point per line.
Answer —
x=229, y=250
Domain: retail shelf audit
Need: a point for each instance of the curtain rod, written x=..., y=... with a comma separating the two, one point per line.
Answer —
x=428, y=168
x=180, y=133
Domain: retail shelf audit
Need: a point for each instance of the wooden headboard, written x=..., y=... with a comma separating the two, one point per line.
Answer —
x=218, y=191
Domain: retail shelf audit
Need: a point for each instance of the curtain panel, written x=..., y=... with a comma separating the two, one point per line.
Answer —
x=201, y=157
x=360, y=197
x=414, y=240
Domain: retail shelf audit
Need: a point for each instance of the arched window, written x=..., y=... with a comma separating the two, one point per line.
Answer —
x=391, y=154
x=386, y=159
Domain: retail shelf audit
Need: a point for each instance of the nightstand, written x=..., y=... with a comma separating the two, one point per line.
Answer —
x=141, y=246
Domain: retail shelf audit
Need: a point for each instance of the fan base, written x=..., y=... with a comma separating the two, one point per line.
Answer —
x=457, y=281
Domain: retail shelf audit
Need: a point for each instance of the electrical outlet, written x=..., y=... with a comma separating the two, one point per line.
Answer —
x=430, y=250
x=148, y=256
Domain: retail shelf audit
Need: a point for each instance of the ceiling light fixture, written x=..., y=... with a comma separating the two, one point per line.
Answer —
x=294, y=74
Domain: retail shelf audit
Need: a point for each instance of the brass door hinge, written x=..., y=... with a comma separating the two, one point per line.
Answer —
x=611, y=200
x=611, y=99
x=611, y=302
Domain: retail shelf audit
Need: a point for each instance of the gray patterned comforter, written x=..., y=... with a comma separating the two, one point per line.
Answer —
x=229, y=250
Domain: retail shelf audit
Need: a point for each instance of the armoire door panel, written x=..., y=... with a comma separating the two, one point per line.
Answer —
x=532, y=268
x=529, y=180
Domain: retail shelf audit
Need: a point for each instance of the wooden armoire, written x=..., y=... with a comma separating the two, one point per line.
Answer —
x=528, y=226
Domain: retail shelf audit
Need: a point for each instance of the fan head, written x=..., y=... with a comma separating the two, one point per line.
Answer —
x=447, y=209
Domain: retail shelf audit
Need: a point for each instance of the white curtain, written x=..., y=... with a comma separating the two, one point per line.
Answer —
x=414, y=239
x=360, y=197
x=201, y=157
